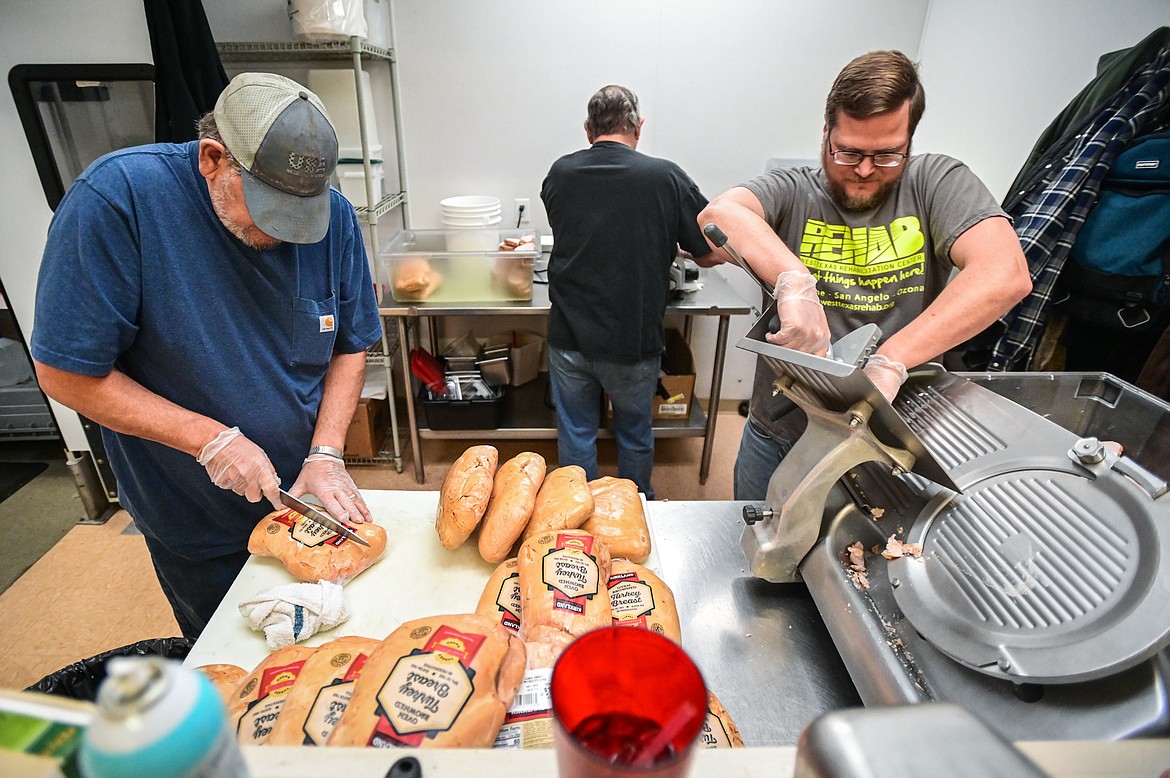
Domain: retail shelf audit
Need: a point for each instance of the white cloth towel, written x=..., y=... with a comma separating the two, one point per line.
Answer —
x=291, y=613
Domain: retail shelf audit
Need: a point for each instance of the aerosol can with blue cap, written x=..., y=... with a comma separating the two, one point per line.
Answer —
x=154, y=717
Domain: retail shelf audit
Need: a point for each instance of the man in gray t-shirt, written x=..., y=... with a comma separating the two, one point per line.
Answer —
x=871, y=235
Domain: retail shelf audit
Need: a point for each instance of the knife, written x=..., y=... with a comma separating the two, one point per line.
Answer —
x=321, y=517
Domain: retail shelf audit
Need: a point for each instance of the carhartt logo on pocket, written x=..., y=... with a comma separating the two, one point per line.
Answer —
x=327, y=323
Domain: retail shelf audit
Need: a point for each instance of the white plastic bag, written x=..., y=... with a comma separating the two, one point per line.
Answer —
x=318, y=21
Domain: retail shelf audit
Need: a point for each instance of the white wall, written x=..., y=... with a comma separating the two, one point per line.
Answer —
x=492, y=93
x=997, y=72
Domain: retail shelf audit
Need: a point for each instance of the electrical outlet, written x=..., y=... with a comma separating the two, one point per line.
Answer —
x=523, y=210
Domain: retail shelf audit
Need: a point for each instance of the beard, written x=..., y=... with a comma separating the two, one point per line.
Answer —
x=223, y=195
x=859, y=203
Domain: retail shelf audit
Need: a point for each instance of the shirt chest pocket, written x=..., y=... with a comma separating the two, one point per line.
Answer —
x=314, y=330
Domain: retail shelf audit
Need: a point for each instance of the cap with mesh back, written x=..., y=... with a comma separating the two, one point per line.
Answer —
x=283, y=139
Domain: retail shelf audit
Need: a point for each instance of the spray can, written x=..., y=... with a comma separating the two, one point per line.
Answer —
x=154, y=717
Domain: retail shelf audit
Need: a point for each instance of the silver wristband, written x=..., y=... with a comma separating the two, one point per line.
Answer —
x=327, y=451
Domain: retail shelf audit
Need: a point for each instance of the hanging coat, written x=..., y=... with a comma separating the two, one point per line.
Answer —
x=1058, y=186
x=188, y=74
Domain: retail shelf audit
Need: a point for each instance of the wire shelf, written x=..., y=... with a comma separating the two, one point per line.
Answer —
x=385, y=205
x=290, y=51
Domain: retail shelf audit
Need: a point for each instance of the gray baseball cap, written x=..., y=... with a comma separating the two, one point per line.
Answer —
x=283, y=139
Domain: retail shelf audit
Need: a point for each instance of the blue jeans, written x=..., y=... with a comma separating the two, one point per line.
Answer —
x=577, y=384
x=759, y=456
x=194, y=587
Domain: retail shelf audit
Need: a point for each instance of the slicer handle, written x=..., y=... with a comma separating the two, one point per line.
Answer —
x=718, y=239
x=717, y=236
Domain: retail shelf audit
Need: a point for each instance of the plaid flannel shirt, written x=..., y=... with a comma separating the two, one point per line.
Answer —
x=1050, y=209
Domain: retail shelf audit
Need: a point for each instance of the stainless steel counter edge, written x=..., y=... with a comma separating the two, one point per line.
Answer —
x=1066, y=759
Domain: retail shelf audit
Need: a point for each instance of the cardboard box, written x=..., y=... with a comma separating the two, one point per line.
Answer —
x=367, y=428
x=527, y=353
x=677, y=381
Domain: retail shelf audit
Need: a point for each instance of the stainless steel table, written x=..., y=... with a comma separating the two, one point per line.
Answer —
x=762, y=648
x=525, y=415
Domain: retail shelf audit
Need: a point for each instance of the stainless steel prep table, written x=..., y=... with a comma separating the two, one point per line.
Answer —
x=762, y=648
x=525, y=416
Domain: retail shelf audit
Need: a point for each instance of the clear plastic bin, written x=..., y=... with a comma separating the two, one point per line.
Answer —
x=421, y=266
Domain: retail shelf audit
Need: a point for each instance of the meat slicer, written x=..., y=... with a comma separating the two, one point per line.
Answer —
x=1040, y=599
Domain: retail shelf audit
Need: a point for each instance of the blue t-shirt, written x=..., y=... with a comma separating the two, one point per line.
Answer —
x=140, y=275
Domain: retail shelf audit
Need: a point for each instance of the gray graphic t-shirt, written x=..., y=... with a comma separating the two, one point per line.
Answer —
x=885, y=265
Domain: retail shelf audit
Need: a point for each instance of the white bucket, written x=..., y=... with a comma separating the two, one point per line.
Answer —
x=484, y=237
x=475, y=220
x=469, y=204
x=471, y=222
x=352, y=180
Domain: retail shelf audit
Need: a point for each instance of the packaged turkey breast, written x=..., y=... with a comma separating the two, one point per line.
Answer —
x=500, y=600
x=463, y=498
x=563, y=590
x=260, y=697
x=718, y=731
x=639, y=598
x=224, y=677
x=311, y=552
x=618, y=518
x=321, y=693
x=436, y=682
x=513, y=498
x=563, y=502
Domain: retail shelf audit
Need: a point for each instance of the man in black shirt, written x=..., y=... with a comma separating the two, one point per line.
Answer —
x=618, y=219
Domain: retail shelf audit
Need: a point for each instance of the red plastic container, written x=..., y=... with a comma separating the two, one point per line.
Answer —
x=627, y=702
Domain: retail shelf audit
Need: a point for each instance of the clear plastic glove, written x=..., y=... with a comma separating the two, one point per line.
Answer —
x=886, y=374
x=803, y=325
x=326, y=478
x=238, y=464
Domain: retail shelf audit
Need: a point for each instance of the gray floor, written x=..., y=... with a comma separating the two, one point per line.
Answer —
x=40, y=513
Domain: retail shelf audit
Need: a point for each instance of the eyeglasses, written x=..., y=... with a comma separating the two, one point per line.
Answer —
x=852, y=158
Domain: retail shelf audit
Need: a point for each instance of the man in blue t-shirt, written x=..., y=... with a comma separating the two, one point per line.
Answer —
x=619, y=218
x=209, y=304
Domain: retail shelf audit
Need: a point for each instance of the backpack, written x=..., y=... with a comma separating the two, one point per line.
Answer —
x=1118, y=272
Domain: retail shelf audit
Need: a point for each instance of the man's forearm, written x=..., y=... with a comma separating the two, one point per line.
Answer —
x=739, y=215
x=343, y=386
x=123, y=405
x=993, y=277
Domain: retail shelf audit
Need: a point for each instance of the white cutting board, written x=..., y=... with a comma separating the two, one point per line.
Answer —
x=416, y=577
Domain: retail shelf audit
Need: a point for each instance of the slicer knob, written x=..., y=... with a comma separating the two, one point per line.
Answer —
x=754, y=513
x=1089, y=451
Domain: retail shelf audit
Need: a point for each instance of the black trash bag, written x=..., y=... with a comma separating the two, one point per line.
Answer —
x=80, y=680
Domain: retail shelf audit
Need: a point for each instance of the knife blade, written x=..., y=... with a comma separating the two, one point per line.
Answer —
x=321, y=517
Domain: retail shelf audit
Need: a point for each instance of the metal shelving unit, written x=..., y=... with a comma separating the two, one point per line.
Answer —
x=354, y=51
x=524, y=414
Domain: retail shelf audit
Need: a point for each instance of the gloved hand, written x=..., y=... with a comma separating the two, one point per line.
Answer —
x=238, y=464
x=886, y=374
x=326, y=478
x=803, y=325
